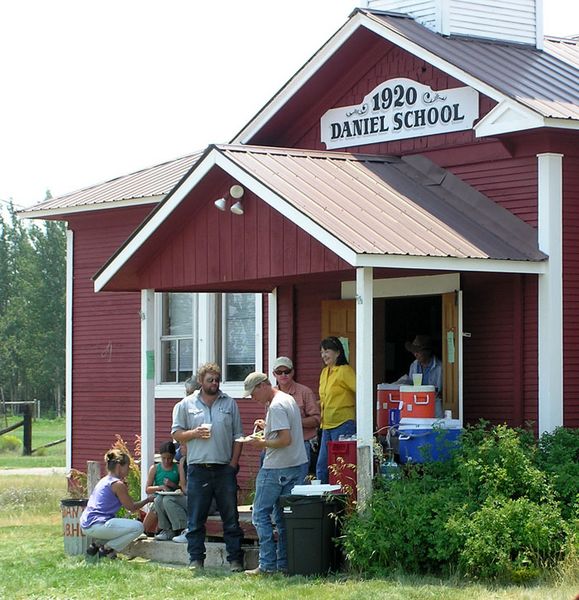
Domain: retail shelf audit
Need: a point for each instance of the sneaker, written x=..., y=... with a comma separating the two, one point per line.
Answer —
x=107, y=553
x=236, y=566
x=181, y=539
x=258, y=571
x=165, y=536
x=196, y=565
x=92, y=553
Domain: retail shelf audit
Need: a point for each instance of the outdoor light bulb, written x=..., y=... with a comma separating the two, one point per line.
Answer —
x=237, y=208
x=236, y=191
x=220, y=204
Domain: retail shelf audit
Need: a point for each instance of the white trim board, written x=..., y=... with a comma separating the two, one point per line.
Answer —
x=68, y=345
x=427, y=285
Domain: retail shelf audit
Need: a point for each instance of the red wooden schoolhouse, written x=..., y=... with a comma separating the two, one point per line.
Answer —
x=419, y=175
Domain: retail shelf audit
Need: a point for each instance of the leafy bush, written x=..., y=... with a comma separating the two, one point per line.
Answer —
x=489, y=511
x=558, y=456
x=9, y=443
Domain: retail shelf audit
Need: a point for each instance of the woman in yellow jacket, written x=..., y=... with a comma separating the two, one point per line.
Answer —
x=337, y=400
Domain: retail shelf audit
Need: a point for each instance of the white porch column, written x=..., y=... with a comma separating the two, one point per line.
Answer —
x=68, y=345
x=271, y=330
x=147, y=384
x=550, y=361
x=364, y=378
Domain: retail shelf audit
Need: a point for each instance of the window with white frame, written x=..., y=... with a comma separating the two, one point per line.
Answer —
x=178, y=325
x=197, y=328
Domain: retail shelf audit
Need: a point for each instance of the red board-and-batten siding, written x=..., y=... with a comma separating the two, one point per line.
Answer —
x=106, y=340
x=571, y=289
x=219, y=250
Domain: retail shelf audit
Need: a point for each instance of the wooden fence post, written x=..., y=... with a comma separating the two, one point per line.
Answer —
x=93, y=474
x=27, y=431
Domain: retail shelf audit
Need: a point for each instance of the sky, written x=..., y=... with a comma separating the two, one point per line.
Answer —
x=94, y=90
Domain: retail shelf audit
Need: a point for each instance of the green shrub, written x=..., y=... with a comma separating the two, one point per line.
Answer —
x=489, y=511
x=510, y=539
x=9, y=443
x=558, y=456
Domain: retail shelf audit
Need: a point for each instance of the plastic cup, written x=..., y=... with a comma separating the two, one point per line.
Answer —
x=208, y=426
x=316, y=481
x=417, y=379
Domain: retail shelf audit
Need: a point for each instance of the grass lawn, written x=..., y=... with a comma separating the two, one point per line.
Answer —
x=34, y=566
x=44, y=431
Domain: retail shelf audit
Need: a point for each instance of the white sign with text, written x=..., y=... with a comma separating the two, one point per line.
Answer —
x=399, y=109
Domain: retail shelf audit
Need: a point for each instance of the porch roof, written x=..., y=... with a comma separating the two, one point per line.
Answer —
x=356, y=205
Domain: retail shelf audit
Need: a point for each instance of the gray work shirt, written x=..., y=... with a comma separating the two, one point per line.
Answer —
x=284, y=413
x=224, y=416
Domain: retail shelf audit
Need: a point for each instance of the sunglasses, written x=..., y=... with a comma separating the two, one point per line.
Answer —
x=284, y=372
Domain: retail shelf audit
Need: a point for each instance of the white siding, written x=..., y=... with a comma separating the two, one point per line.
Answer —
x=518, y=21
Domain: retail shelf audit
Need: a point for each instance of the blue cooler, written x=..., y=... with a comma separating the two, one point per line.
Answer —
x=427, y=440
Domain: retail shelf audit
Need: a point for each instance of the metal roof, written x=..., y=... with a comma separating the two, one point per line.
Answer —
x=390, y=205
x=546, y=81
x=151, y=184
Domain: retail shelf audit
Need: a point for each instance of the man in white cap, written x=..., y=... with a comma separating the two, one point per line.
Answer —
x=282, y=468
x=309, y=405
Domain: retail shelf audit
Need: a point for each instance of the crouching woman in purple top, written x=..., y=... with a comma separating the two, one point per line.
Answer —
x=98, y=520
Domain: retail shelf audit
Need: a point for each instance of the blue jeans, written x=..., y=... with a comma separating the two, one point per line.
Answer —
x=331, y=435
x=270, y=485
x=306, y=466
x=204, y=484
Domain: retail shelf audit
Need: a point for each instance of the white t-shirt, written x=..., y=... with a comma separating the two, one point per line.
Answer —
x=284, y=413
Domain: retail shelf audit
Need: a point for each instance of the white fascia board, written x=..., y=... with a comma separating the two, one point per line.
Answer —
x=562, y=123
x=297, y=81
x=286, y=209
x=506, y=117
x=72, y=210
x=444, y=263
x=155, y=221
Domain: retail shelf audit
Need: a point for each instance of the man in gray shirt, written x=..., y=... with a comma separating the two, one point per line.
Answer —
x=208, y=421
x=285, y=455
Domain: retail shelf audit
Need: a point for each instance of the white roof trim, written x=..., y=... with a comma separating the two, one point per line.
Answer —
x=508, y=116
x=150, y=226
x=53, y=212
x=446, y=263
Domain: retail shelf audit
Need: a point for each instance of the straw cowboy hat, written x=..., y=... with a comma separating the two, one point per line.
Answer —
x=420, y=342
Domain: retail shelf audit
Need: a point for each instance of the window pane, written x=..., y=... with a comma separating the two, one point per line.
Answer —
x=169, y=360
x=240, y=335
x=177, y=314
x=185, y=359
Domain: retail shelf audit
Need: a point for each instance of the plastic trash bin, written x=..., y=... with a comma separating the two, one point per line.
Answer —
x=312, y=524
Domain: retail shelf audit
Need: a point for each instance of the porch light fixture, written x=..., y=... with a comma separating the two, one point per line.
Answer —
x=236, y=193
x=237, y=208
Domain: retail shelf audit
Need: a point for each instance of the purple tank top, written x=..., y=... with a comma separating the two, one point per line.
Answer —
x=102, y=505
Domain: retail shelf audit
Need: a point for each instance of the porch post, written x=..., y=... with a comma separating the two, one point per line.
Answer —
x=147, y=384
x=364, y=379
x=550, y=360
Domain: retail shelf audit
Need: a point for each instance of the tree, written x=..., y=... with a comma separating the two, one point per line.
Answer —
x=32, y=311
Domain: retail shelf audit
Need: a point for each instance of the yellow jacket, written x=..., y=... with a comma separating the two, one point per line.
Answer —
x=337, y=395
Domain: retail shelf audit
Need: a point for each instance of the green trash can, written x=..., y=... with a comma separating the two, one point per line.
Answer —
x=312, y=526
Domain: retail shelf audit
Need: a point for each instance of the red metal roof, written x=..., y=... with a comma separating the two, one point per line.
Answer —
x=547, y=81
x=356, y=205
x=146, y=185
x=390, y=205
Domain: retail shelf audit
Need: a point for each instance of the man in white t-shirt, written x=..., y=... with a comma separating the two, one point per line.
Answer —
x=282, y=468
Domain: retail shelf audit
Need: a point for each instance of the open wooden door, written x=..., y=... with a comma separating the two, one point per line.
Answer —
x=339, y=319
x=450, y=352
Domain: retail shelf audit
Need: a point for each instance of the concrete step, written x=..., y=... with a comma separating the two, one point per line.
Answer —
x=176, y=554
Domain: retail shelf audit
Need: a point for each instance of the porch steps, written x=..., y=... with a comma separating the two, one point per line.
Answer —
x=176, y=554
